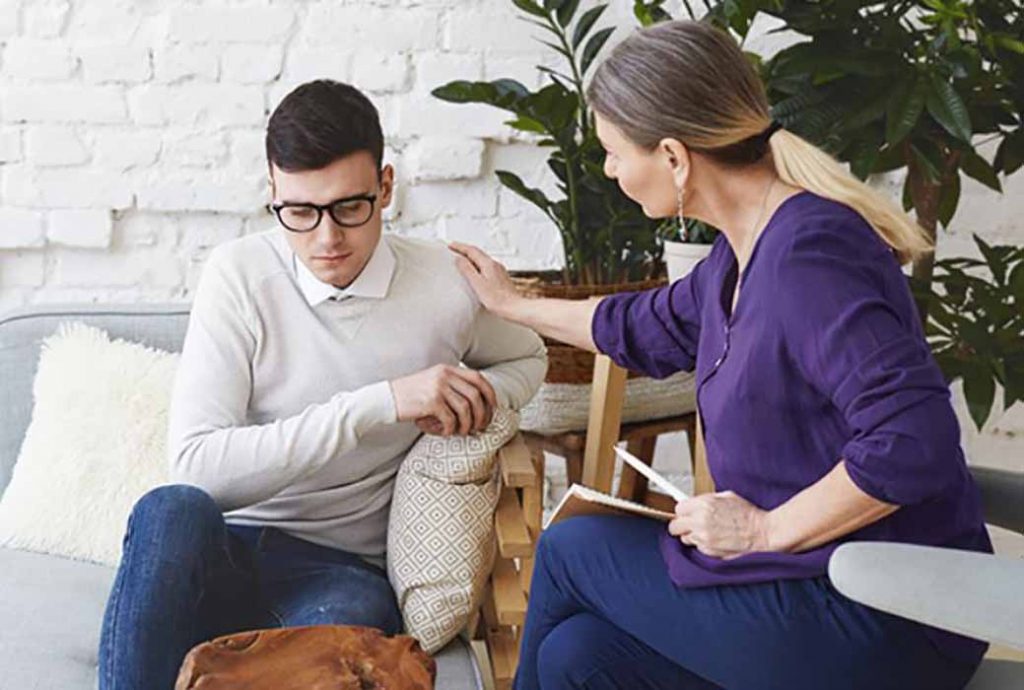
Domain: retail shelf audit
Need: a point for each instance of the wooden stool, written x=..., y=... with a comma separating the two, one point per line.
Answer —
x=605, y=428
x=517, y=523
x=589, y=457
x=641, y=440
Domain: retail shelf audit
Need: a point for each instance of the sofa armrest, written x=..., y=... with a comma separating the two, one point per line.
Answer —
x=1002, y=496
x=974, y=594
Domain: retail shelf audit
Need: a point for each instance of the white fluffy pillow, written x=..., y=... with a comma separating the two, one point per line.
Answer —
x=95, y=445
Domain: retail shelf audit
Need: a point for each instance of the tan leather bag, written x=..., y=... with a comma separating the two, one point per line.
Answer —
x=318, y=657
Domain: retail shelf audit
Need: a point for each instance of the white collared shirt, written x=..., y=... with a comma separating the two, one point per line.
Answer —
x=373, y=281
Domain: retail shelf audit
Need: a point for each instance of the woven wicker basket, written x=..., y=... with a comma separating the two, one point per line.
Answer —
x=568, y=364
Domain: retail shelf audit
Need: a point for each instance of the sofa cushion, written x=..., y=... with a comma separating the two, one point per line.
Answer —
x=52, y=610
x=22, y=332
x=97, y=442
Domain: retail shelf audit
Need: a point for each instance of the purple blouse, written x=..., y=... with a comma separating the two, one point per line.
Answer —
x=823, y=359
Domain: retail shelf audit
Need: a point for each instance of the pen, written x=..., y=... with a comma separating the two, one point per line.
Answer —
x=651, y=475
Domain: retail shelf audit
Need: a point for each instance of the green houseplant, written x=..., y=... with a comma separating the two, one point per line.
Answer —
x=919, y=85
x=606, y=236
x=976, y=329
x=901, y=85
x=610, y=244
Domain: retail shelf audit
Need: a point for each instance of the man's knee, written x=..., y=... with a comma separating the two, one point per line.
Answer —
x=348, y=597
x=172, y=500
x=176, y=508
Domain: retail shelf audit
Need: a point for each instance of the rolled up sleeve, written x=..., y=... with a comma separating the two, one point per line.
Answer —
x=849, y=326
x=654, y=331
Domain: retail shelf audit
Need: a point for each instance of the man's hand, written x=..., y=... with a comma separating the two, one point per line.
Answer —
x=723, y=525
x=445, y=400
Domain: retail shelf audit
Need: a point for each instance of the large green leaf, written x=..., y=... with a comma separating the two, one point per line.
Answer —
x=904, y=110
x=502, y=93
x=889, y=159
x=995, y=257
x=862, y=155
x=980, y=393
x=566, y=12
x=1010, y=155
x=531, y=194
x=593, y=47
x=949, y=200
x=948, y=109
x=867, y=113
x=530, y=7
x=928, y=158
x=586, y=23
x=978, y=168
x=1016, y=283
x=555, y=107
x=527, y=124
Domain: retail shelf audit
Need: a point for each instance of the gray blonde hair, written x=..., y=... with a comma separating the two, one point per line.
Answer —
x=690, y=81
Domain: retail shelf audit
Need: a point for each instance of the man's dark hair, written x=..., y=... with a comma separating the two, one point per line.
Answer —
x=320, y=122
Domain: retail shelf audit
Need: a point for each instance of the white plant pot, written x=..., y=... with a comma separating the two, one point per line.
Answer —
x=681, y=257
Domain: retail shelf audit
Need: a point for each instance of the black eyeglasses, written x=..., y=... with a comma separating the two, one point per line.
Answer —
x=350, y=212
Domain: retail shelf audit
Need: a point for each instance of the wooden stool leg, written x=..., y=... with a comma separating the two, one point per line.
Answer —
x=574, y=466
x=702, y=481
x=533, y=507
x=606, y=399
x=691, y=441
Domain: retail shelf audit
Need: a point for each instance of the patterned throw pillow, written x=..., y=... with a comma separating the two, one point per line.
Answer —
x=441, y=531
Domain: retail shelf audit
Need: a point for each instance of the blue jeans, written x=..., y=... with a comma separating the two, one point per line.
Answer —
x=187, y=577
x=604, y=614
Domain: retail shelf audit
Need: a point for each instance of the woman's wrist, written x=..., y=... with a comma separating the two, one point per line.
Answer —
x=513, y=308
x=769, y=531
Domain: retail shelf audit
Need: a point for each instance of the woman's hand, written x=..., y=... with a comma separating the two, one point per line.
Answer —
x=488, y=278
x=722, y=525
x=561, y=319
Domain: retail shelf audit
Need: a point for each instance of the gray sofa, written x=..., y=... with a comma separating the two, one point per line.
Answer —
x=50, y=607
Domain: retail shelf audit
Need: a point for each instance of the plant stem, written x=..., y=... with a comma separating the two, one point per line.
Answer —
x=927, y=196
x=570, y=173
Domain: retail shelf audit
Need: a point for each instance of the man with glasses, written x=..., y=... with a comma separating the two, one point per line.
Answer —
x=316, y=354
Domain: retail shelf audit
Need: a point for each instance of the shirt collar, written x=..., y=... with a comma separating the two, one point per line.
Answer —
x=373, y=281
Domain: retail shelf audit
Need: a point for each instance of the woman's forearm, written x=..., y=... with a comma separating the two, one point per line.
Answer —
x=828, y=509
x=568, y=321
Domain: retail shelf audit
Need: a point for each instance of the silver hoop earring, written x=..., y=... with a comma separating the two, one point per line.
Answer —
x=679, y=213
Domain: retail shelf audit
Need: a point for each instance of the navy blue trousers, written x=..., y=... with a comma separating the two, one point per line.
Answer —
x=604, y=614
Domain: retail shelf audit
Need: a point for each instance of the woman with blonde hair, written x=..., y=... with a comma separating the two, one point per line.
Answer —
x=825, y=417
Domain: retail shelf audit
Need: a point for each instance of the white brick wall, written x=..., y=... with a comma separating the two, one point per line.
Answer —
x=131, y=137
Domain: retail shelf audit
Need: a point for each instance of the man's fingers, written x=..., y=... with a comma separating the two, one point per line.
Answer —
x=476, y=401
x=463, y=411
x=481, y=383
x=430, y=425
x=446, y=419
